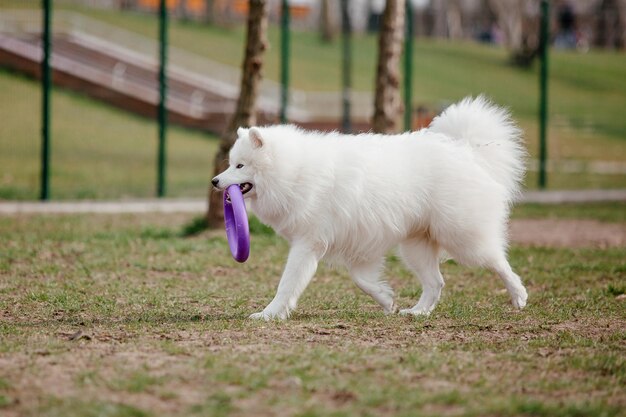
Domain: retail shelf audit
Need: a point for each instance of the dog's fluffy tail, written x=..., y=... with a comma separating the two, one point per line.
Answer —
x=493, y=135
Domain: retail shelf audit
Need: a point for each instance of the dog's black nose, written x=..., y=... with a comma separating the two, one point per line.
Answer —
x=215, y=181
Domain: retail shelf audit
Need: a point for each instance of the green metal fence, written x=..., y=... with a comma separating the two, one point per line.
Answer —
x=285, y=40
x=46, y=85
x=45, y=101
x=577, y=146
x=284, y=60
x=162, y=116
x=543, y=93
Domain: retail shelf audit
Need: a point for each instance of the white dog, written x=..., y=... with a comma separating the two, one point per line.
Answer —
x=440, y=192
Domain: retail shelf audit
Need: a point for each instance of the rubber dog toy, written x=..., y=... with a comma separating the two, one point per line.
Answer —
x=236, y=222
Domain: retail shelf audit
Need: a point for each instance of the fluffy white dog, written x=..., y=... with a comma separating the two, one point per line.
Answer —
x=440, y=192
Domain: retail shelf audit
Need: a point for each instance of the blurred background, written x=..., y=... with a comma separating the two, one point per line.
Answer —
x=104, y=99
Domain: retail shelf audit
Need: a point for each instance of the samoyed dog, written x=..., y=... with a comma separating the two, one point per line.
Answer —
x=441, y=192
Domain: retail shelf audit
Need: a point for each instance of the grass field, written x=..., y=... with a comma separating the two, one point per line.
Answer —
x=97, y=151
x=122, y=316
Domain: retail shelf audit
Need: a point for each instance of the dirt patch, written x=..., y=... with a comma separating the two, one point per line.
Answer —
x=147, y=374
x=567, y=233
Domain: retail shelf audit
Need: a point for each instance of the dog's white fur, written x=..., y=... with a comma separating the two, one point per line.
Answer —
x=440, y=192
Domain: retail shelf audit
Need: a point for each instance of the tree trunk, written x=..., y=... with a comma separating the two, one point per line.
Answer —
x=209, y=15
x=387, y=102
x=328, y=21
x=509, y=16
x=245, y=112
x=181, y=10
x=611, y=24
x=621, y=11
x=519, y=20
x=454, y=19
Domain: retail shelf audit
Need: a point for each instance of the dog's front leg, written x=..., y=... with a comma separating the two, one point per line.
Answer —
x=301, y=266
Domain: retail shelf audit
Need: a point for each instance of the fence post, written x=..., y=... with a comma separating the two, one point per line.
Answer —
x=45, y=100
x=408, y=68
x=162, y=110
x=284, y=60
x=543, y=91
x=346, y=38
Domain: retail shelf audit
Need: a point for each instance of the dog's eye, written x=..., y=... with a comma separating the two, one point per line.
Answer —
x=239, y=166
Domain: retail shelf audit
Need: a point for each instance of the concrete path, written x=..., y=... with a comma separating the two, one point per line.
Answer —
x=123, y=206
x=199, y=205
x=573, y=196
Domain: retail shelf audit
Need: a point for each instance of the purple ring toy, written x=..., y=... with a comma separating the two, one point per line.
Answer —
x=236, y=221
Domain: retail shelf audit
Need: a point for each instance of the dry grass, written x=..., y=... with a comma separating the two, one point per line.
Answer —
x=120, y=316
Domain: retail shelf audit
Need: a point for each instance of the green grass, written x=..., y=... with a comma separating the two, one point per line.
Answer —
x=605, y=212
x=97, y=151
x=167, y=334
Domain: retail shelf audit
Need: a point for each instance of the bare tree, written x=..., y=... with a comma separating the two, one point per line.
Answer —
x=209, y=15
x=454, y=19
x=245, y=112
x=181, y=10
x=328, y=21
x=621, y=10
x=387, y=102
x=611, y=24
x=519, y=20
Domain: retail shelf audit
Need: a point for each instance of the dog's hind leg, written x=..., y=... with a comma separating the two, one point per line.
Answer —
x=511, y=280
x=301, y=266
x=367, y=278
x=422, y=257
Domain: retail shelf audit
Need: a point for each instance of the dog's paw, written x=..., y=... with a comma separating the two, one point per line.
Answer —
x=519, y=298
x=259, y=316
x=392, y=308
x=414, y=312
x=268, y=315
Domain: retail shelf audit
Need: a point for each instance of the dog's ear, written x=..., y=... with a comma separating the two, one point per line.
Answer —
x=255, y=137
x=242, y=131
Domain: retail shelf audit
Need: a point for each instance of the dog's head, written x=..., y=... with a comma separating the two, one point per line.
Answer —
x=245, y=161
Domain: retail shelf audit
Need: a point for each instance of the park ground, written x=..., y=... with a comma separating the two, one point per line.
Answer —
x=138, y=316
x=134, y=315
